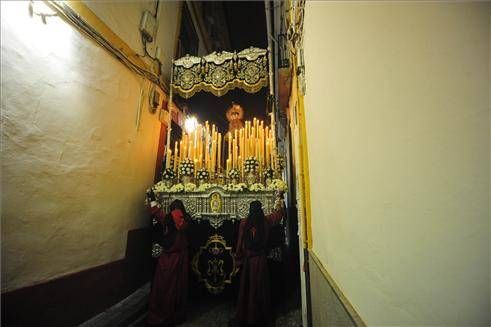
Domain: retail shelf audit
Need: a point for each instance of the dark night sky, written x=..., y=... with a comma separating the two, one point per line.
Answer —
x=247, y=27
x=247, y=24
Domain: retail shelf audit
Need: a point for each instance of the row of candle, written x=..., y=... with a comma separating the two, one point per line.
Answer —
x=253, y=140
x=204, y=147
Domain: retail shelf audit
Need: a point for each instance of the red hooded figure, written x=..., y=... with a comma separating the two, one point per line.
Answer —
x=170, y=284
x=254, y=301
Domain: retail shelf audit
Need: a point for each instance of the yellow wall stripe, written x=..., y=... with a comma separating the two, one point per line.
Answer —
x=95, y=22
x=304, y=166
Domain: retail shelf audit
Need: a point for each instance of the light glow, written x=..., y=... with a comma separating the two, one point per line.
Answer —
x=52, y=38
x=190, y=124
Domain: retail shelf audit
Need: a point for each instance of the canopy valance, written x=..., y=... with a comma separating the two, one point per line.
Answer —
x=220, y=72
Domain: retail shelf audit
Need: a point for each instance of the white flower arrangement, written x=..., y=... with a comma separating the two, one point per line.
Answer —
x=277, y=185
x=203, y=187
x=268, y=173
x=176, y=188
x=168, y=174
x=202, y=174
x=189, y=187
x=240, y=187
x=257, y=187
x=250, y=165
x=160, y=187
x=234, y=174
x=186, y=167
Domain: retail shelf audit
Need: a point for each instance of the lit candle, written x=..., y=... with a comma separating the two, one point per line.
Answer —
x=200, y=146
x=229, y=156
x=207, y=155
x=253, y=145
x=215, y=151
x=195, y=147
x=176, y=156
x=213, y=156
x=219, y=161
x=246, y=138
x=261, y=145
x=272, y=154
x=167, y=159
x=241, y=166
x=190, y=151
x=234, y=156
x=241, y=137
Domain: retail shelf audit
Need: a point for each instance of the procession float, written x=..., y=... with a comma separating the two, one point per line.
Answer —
x=216, y=175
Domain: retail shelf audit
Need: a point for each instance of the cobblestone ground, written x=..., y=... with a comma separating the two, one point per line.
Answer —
x=218, y=313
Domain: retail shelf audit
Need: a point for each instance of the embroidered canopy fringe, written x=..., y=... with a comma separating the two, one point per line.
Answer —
x=220, y=72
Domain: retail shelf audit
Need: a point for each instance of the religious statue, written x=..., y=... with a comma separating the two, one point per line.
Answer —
x=235, y=114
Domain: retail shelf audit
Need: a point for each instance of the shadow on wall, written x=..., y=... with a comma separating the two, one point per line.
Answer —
x=74, y=298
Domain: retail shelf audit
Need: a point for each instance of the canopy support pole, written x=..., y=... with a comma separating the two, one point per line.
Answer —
x=272, y=101
x=169, y=120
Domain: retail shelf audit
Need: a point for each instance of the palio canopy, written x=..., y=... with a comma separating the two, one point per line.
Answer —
x=220, y=72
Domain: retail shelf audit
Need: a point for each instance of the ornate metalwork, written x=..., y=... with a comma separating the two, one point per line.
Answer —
x=216, y=205
x=220, y=72
x=252, y=53
x=214, y=264
x=156, y=250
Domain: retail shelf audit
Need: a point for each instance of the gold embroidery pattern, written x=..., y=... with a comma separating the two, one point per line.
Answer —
x=220, y=72
x=210, y=262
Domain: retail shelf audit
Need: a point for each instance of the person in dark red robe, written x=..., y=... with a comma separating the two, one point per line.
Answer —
x=254, y=301
x=170, y=283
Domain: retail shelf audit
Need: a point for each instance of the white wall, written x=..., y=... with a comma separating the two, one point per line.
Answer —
x=75, y=160
x=397, y=111
x=123, y=18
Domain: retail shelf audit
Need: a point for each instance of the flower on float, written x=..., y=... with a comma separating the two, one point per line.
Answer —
x=277, y=185
x=268, y=173
x=202, y=174
x=160, y=188
x=240, y=187
x=189, y=187
x=234, y=173
x=186, y=167
x=257, y=187
x=251, y=164
x=203, y=187
x=176, y=188
x=168, y=174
